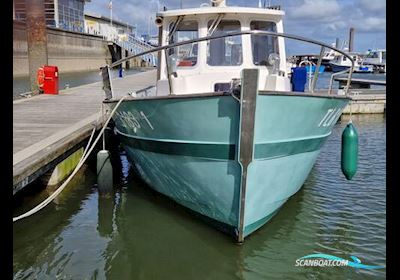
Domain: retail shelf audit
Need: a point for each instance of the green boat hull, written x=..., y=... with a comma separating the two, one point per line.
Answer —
x=187, y=149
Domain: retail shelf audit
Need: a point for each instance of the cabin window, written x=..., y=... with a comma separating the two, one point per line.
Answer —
x=225, y=51
x=383, y=55
x=185, y=55
x=263, y=45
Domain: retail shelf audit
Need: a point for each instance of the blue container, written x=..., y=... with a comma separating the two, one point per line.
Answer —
x=321, y=68
x=299, y=78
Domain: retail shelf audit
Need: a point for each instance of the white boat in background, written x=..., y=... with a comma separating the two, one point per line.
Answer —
x=329, y=56
x=341, y=63
x=376, y=58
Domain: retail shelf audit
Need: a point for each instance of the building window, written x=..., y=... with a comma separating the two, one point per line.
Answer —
x=70, y=14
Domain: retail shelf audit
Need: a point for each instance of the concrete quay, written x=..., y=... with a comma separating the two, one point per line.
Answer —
x=366, y=101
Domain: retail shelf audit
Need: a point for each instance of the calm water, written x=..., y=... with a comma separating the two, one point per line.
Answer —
x=21, y=84
x=137, y=234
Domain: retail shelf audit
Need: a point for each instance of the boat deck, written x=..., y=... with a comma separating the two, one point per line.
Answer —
x=47, y=128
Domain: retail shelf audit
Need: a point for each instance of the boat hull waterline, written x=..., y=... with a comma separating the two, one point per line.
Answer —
x=186, y=149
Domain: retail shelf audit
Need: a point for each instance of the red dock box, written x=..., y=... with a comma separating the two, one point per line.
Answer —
x=50, y=83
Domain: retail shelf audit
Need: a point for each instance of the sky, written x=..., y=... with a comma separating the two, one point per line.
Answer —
x=322, y=20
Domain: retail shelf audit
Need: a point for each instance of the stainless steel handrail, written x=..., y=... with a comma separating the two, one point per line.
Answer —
x=248, y=32
x=333, y=76
x=309, y=72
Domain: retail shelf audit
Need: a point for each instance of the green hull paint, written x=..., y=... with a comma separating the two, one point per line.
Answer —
x=257, y=224
x=187, y=149
x=222, y=151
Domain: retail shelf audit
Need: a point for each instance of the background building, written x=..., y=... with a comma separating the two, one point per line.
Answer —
x=64, y=14
x=100, y=25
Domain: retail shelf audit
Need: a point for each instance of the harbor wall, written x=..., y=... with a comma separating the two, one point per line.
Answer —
x=69, y=51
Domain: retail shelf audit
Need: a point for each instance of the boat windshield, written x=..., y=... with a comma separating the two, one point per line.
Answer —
x=225, y=51
x=186, y=55
x=263, y=46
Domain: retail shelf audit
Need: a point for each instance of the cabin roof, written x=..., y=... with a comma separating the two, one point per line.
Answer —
x=225, y=10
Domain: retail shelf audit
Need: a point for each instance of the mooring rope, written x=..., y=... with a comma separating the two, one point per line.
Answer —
x=92, y=134
x=81, y=162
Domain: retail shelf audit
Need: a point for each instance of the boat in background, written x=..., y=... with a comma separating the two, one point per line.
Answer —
x=341, y=63
x=376, y=58
x=226, y=132
x=329, y=55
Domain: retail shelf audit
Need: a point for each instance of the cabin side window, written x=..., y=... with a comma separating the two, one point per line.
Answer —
x=383, y=55
x=225, y=51
x=185, y=55
x=263, y=45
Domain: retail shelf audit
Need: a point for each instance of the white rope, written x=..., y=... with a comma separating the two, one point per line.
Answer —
x=92, y=134
x=81, y=162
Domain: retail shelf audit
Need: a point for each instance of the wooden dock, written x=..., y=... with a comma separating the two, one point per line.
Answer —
x=48, y=128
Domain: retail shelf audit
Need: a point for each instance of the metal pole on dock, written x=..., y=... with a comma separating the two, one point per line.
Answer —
x=37, y=39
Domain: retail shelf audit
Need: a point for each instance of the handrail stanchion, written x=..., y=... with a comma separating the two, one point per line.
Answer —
x=316, y=73
x=309, y=72
x=346, y=90
x=336, y=74
x=168, y=71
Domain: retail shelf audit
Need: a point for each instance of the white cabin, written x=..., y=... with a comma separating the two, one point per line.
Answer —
x=376, y=57
x=210, y=66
